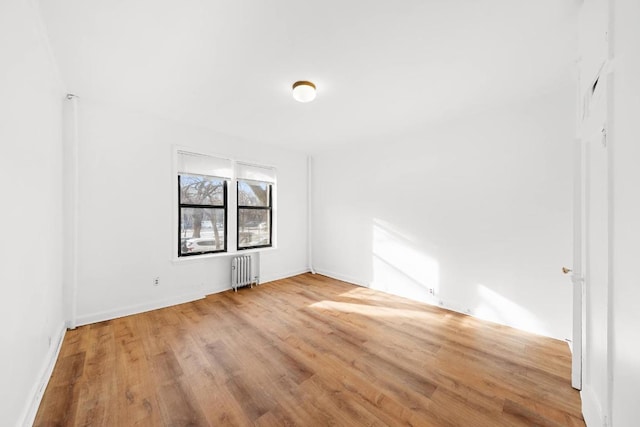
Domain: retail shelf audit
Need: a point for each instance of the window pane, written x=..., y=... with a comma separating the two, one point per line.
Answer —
x=253, y=193
x=253, y=228
x=201, y=230
x=201, y=190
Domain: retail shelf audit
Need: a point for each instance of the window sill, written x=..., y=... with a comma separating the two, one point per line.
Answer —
x=254, y=250
x=186, y=259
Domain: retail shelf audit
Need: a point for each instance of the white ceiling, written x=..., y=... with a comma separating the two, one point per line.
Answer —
x=381, y=66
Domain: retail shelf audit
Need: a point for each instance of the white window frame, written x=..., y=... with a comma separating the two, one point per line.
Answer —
x=232, y=207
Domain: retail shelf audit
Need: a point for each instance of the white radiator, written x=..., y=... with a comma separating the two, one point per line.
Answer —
x=241, y=270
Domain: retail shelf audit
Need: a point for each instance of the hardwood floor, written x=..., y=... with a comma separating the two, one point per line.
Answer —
x=309, y=351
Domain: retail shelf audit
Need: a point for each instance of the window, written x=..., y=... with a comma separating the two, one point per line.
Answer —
x=203, y=212
x=202, y=204
x=254, y=214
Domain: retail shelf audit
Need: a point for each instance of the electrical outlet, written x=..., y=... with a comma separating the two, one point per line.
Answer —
x=432, y=291
x=156, y=281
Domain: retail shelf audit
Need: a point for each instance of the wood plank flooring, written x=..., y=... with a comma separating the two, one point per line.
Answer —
x=308, y=351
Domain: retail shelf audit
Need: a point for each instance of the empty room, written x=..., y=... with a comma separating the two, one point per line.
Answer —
x=265, y=213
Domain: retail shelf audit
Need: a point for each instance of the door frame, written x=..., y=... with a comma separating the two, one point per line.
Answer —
x=594, y=124
x=577, y=278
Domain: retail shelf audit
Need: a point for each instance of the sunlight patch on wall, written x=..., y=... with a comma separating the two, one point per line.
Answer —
x=399, y=267
x=497, y=308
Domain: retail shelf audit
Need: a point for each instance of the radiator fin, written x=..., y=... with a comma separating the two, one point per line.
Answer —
x=241, y=272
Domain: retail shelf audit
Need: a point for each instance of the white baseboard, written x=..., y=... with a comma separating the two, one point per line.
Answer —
x=431, y=300
x=228, y=287
x=341, y=277
x=591, y=408
x=217, y=289
x=137, y=308
x=181, y=299
x=279, y=276
x=437, y=301
x=37, y=391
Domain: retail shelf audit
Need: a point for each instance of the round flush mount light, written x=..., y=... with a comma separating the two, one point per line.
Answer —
x=304, y=91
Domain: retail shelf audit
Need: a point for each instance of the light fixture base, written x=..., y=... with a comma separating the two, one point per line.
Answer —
x=304, y=91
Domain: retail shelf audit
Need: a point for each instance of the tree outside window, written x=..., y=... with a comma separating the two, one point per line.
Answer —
x=203, y=206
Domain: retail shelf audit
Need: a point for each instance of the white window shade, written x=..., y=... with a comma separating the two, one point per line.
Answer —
x=255, y=173
x=201, y=164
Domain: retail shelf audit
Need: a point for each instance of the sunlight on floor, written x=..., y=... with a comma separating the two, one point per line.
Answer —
x=371, y=296
x=372, y=310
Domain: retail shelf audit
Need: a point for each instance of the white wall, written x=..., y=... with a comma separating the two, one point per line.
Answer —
x=479, y=209
x=126, y=213
x=625, y=315
x=31, y=214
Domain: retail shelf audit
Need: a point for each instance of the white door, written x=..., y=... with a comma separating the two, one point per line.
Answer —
x=591, y=256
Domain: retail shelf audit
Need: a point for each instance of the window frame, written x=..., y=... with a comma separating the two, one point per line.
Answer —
x=268, y=208
x=224, y=206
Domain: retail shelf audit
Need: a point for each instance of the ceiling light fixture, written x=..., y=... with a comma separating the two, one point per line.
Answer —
x=304, y=91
